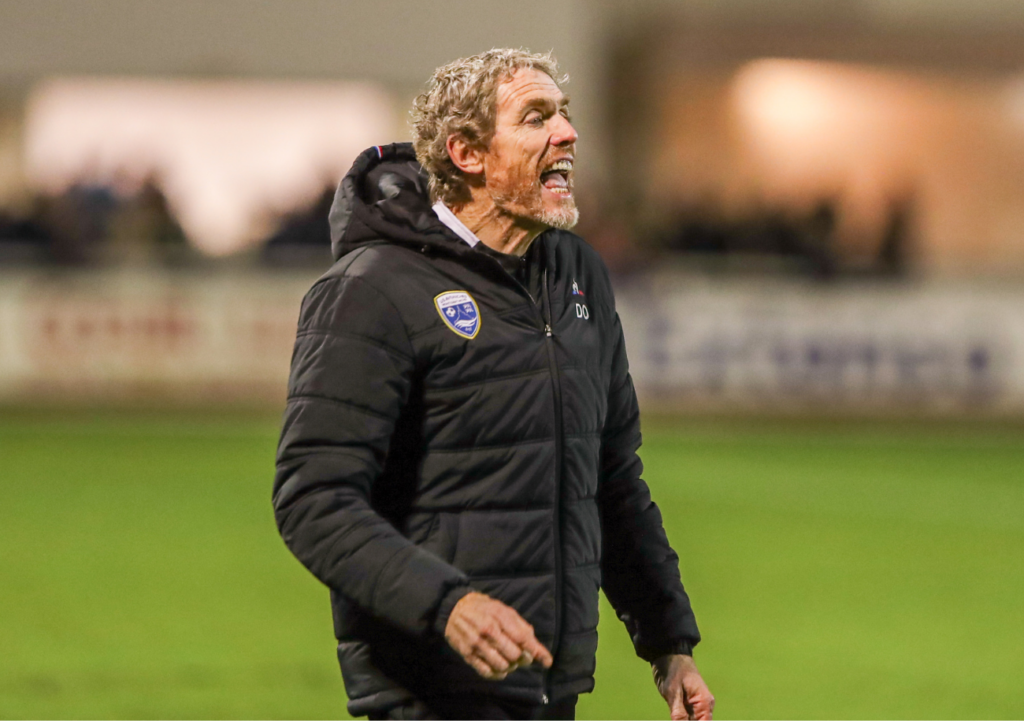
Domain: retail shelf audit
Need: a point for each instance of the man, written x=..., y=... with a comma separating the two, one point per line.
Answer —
x=458, y=460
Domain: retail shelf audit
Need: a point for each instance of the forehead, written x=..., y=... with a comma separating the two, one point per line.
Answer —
x=526, y=87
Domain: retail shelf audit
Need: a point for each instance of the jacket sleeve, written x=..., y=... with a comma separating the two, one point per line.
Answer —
x=640, y=571
x=350, y=377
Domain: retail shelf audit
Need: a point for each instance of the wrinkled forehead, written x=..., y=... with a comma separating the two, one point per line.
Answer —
x=529, y=87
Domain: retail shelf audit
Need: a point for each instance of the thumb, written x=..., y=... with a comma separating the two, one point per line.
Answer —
x=538, y=652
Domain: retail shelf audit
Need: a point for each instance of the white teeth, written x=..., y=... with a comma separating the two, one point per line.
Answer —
x=565, y=165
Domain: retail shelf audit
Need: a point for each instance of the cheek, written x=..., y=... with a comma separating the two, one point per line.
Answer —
x=510, y=175
x=523, y=155
x=513, y=164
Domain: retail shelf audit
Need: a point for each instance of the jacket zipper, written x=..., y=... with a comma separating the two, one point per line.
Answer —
x=557, y=388
x=547, y=327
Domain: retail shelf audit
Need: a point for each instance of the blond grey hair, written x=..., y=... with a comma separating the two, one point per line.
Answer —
x=461, y=99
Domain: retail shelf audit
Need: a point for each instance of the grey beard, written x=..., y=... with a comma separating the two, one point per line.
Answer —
x=562, y=219
x=565, y=218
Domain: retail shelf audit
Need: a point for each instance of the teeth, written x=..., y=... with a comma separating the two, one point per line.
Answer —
x=565, y=165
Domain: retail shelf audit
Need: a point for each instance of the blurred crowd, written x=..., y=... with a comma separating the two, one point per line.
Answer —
x=804, y=244
x=303, y=236
x=97, y=225
x=91, y=224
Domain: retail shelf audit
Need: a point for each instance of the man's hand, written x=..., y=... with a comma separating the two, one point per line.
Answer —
x=680, y=683
x=492, y=637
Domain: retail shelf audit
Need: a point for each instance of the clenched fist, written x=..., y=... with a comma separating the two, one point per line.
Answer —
x=684, y=690
x=492, y=637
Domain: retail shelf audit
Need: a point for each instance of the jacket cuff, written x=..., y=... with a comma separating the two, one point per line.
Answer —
x=653, y=653
x=444, y=610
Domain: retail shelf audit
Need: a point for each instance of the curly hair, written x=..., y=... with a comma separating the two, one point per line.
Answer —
x=461, y=99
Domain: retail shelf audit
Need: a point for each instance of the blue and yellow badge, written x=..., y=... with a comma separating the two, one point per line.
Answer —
x=459, y=312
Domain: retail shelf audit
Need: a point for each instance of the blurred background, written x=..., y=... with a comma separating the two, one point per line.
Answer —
x=814, y=217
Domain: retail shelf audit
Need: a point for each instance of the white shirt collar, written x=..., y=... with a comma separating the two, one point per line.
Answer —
x=446, y=216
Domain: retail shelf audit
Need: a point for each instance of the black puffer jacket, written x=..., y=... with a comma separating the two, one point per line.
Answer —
x=491, y=448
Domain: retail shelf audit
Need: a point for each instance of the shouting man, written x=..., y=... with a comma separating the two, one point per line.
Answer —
x=458, y=461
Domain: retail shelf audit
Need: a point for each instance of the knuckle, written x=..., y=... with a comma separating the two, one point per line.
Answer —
x=511, y=655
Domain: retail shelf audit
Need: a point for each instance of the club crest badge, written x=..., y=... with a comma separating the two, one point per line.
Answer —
x=459, y=312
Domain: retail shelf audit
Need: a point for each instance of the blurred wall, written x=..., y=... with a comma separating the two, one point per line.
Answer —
x=399, y=42
x=391, y=44
x=387, y=40
x=622, y=56
x=894, y=114
x=395, y=42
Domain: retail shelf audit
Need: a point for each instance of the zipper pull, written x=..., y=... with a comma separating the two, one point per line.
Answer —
x=544, y=699
x=547, y=330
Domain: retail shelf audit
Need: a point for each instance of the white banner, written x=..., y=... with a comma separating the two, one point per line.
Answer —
x=785, y=346
x=694, y=343
x=174, y=335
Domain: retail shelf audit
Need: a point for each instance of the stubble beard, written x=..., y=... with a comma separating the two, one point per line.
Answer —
x=564, y=218
x=525, y=199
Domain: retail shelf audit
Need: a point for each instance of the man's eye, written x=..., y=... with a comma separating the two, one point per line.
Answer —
x=535, y=119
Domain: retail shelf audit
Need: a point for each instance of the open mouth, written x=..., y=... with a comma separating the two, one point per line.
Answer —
x=556, y=177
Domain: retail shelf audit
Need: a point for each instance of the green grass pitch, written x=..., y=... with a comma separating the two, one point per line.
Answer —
x=838, y=570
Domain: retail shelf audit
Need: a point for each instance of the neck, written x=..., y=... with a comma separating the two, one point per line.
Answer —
x=497, y=229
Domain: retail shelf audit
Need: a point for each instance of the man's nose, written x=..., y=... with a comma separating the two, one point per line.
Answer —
x=562, y=132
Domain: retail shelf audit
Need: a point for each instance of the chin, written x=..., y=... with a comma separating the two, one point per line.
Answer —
x=535, y=208
x=562, y=219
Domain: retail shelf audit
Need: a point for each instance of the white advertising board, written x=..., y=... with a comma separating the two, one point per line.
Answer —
x=695, y=344
x=125, y=335
x=789, y=346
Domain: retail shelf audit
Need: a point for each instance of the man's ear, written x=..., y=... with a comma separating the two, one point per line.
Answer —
x=467, y=158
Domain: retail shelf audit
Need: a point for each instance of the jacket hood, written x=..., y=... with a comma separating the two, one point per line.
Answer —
x=384, y=196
